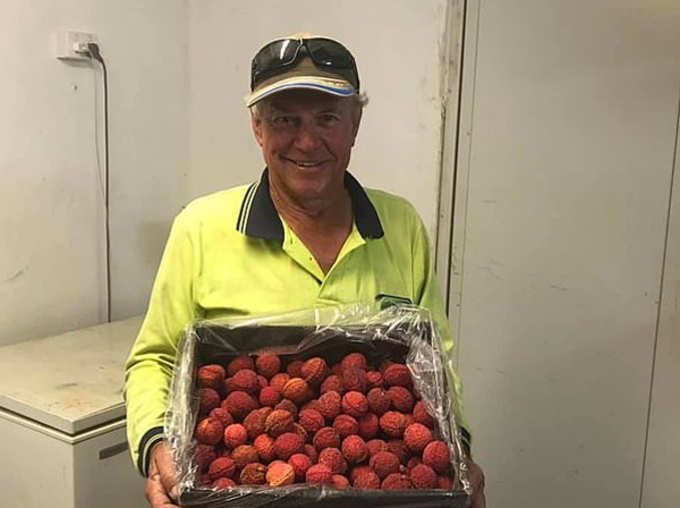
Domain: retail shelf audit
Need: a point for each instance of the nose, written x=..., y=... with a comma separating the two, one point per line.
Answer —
x=307, y=138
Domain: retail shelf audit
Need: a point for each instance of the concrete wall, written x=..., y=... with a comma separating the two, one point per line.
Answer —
x=51, y=206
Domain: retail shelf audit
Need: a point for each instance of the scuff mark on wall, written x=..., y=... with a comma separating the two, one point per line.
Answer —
x=16, y=275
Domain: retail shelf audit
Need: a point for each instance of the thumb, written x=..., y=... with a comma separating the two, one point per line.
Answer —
x=165, y=468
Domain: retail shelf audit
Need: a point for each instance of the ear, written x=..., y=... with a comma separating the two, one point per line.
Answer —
x=256, y=124
x=357, y=121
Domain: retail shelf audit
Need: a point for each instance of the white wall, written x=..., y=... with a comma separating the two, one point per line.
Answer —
x=397, y=48
x=569, y=114
x=51, y=219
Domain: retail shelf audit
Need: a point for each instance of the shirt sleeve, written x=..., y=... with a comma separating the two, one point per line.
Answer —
x=428, y=295
x=149, y=367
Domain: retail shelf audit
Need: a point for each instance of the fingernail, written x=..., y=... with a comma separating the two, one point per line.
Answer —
x=174, y=492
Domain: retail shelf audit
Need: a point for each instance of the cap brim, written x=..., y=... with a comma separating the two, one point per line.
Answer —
x=332, y=86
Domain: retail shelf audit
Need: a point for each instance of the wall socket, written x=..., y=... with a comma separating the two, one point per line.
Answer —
x=69, y=42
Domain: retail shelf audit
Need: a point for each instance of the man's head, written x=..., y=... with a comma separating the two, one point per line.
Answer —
x=305, y=109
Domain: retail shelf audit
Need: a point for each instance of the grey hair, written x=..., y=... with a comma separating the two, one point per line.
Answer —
x=360, y=101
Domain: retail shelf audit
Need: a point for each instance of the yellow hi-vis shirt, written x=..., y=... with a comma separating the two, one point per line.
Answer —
x=230, y=254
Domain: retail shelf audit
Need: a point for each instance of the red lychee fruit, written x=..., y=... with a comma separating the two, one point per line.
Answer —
x=339, y=481
x=444, y=482
x=222, y=415
x=279, y=380
x=318, y=473
x=289, y=406
x=413, y=462
x=378, y=401
x=368, y=426
x=401, y=398
x=384, y=463
x=421, y=415
x=221, y=467
x=278, y=422
x=238, y=363
x=311, y=452
x=253, y=474
x=244, y=454
x=314, y=371
x=268, y=365
x=367, y=480
x=436, y=455
x=223, y=483
x=326, y=437
x=354, y=404
x=300, y=431
x=270, y=396
x=423, y=477
x=239, y=404
x=374, y=379
x=346, y=425
x=333, y=458
x=294, y=368
x=311, y=420
x=210, y=376
x=280, y=474
x=376, y=445
x=295, y=389
x=416, y=437
x=354, y=449
x=329, y=405
x=203, y=455
x=255, y=422
x=300, y=463
x=357, y=360
x=312, y=404
x=332, y=383
x=393, y=423
x=397, y=374
x=235, y=435
x=396, y=481
x=287, y=444
x=398, y=447
x=209, y=399
x=262, y=382
x=356, y=471
x=264, y=444
x=209, y=431
x=245, y=380
x=354, y=379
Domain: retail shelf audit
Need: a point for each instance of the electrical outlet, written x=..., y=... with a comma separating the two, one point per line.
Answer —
x=72, y=45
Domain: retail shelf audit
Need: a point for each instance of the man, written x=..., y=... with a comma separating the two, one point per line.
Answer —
x=306, y=234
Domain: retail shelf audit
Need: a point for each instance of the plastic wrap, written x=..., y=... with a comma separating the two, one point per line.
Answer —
x=401, y=333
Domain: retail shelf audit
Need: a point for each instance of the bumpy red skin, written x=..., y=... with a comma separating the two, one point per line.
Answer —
x=402, y=399
x=393, y=423
x=223, y=483
x=384, y=463
x=367, y=480
x=254, y=474
x=279, y=380
x=354, y=403
x=239, y=404
x=436, y=455
x=255, y=422
x=376, y=445
x=209, y=399
x=332, y=383
x=268, y=365
x=397, y=374
x=374, y=379
x=281, y=474
x=221, y=467
x=358, y=471
x=413, y=462
x=416, y=437
x=354, y=449
x=278, y=422
x=346, y=425
x=235, y=435
x=378, y=401
x=238, y=363
x=287, y=444
x=209, y=431
x=326, y=437
x=300, y=431
x=314, y=371
x=312, y=404
x=333, y=458
x=368, y=426
x=354, y=360
x=246, y=381
x=210, y=376
x=318, y=473
x=398, y=447
x=295, y=389
x=396, y=481
x=289, y=406
x=294, y=368
x=264, y=444
x=300, y=463
x=244, y=454
x=339, y=481
x=354, y=379
x=311, y=452
x=269, y=396
x=203, y=455
x=222, y=415
x=421, y=415
x=445, y=482
x=423, y=477
x=330, y=405
x=311, y=420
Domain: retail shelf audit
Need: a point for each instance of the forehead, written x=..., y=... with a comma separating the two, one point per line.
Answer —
x=301, y=100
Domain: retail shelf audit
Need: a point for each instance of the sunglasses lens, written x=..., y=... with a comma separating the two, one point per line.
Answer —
x=273, y=56
x=329, y=53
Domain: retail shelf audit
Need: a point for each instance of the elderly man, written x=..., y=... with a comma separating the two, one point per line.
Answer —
x=306, y=234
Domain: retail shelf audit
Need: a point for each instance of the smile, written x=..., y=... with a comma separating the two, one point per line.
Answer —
x=306, y=164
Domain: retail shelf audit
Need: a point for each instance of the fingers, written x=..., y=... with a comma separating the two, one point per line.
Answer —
x=156, y=494
x=161, y=458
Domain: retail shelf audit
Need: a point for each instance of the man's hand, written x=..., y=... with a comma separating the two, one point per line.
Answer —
x=476, y=477
x=161, y=486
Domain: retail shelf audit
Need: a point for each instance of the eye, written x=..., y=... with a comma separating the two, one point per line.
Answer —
x=282, y=121
x=329, y=118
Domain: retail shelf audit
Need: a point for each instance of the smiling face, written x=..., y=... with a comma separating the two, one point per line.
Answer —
x=306, y=139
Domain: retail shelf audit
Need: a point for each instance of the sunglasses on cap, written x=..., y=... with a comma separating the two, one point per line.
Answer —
x=327, y=54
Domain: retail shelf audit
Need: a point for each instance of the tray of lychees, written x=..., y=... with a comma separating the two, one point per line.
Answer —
x=337, y=422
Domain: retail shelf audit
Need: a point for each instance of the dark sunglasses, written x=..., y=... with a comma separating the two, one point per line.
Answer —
x=325, y=53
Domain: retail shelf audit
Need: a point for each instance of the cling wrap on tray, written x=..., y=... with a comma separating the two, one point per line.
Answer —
x=402, y=333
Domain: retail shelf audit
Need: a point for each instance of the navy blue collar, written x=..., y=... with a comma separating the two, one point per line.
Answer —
x=258, y=216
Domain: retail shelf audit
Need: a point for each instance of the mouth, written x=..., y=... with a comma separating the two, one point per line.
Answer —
x=306, y=165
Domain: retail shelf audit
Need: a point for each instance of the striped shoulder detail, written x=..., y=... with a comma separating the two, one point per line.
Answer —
x=246, y=204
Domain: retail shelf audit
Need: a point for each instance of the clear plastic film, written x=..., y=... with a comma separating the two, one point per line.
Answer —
x=400, y=333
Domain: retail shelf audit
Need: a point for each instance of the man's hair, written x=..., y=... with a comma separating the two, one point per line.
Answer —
x=360, y=100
